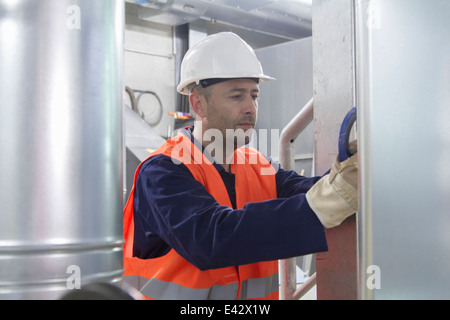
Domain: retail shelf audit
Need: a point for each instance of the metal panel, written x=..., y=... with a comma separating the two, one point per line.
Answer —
x=61, y=140
x=291, y=64
x=333, y=98
x=404, y=97
x=140, y=141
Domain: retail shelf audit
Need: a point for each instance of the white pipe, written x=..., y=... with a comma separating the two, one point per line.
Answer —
x=286, y=154
x=291, y=132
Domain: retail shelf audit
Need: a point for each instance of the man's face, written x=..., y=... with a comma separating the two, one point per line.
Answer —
x=233, y=105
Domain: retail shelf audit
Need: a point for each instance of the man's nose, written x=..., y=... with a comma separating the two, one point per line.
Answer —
x=250, y=105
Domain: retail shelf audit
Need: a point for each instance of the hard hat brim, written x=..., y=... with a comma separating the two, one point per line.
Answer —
x=183, y=87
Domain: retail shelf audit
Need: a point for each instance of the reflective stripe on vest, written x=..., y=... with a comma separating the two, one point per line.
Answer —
x=165, y=290
x=171, y=276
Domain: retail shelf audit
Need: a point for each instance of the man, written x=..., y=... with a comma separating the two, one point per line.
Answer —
x=208, y=218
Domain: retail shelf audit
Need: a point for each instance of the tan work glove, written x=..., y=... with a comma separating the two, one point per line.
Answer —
x=335, y=197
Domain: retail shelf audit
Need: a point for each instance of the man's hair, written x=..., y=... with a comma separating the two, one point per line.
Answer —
x=205, y=92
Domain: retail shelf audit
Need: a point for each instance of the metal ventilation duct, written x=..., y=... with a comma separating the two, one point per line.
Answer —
x=61, y=141
x=290, y=19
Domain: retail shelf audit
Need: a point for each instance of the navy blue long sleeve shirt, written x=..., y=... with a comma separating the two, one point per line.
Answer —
x=173, y=210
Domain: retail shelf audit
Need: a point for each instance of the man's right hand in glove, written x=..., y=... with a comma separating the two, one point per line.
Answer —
x=335, y=197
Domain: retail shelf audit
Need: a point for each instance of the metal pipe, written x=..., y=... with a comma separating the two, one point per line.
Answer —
x=305, y=287
x=291, y=132
x=288, y=278
x=149, y=53
x=61, y=84
x=286, y=154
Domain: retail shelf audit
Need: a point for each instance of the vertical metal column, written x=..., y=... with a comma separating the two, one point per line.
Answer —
x=333, y=97
x=61, y=88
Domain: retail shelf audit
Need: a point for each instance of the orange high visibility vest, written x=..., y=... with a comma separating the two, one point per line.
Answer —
x=171, y=276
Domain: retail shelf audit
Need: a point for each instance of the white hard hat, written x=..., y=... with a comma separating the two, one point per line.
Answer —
x=222, y=55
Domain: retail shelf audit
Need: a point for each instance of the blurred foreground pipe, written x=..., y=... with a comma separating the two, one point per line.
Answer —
x=61, y=145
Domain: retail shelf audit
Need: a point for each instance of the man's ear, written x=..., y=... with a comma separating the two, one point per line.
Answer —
x=198, y=104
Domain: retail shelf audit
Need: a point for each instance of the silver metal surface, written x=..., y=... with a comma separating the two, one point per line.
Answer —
x=333, y=78
x=284, y=18
x=403, y=101
x=291, y=64
x=333, y=71
x=61, y=140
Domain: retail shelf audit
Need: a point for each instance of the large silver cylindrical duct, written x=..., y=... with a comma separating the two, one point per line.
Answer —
x=61, y=145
